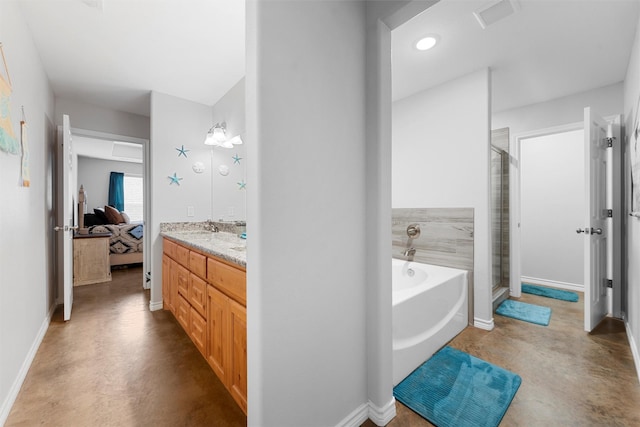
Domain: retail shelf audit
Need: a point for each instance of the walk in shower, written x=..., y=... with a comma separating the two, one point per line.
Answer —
x=500, y=213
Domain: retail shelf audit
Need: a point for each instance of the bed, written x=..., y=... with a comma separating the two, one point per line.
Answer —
x=126, y=241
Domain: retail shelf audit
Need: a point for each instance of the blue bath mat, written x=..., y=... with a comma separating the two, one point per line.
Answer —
x=455, y=389
x=549, y=292
x=522, y=311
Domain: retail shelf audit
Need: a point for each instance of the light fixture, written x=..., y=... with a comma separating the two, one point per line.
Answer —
x=427, y=42
x=236, y=140
x=217, y=135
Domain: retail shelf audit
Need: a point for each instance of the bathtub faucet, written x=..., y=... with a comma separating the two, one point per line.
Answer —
x=409, y=252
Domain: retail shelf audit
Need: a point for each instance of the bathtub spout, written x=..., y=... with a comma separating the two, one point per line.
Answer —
x=409, y=252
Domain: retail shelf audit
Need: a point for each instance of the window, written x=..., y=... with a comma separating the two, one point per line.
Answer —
x=133, y=197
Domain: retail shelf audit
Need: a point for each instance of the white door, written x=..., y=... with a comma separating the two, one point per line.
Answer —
x=65, y=216
x=595, y=231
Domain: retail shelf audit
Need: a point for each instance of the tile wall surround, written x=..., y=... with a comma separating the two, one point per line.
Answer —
x=234, y=227
x=446, y=236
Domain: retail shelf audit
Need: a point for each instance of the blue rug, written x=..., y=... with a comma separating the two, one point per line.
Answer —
x=522, y=311
x=549, y=292
x=456, y=389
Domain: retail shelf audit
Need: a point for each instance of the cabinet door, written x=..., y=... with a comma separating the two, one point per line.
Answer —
x=197, y=293
x=217, y=333
x=183, y=280
x=166, y=283
x=237, y=368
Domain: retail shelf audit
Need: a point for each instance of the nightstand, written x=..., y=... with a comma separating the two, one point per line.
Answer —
x=91, y=259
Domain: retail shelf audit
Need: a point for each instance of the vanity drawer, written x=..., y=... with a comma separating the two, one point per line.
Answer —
x=183, y=312
x=183, y=280
x=229, y=280
x=198, y=331
x=169, y=248
x=198, y=293
x=198, y=264
x=182, y=255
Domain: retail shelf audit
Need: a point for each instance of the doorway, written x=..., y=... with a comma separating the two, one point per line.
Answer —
x=93, y=147
x=552, y=203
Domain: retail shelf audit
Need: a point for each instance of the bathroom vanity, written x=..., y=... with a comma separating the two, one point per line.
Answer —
x=204, y=286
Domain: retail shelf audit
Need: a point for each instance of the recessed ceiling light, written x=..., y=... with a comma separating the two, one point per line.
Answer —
x=427, y=42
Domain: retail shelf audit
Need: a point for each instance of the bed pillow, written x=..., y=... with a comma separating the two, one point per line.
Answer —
x=113, y=215
x=125, y=217
x=102, y=217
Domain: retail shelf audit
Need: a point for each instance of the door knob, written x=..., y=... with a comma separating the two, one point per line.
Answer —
x=580, y=230
x=58, y=228
x=596, y=231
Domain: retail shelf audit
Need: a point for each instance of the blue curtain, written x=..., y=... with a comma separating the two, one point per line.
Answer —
x=116, y=190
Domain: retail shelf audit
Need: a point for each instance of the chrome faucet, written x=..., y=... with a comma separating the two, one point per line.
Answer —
x=409, y=252
x=211, y=226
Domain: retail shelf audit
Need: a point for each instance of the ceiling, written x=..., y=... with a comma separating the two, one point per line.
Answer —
x=546, y=50
x=112, y=53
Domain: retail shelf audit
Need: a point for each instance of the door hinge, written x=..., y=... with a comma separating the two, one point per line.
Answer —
x=609, y=213
x=609, y=283
x=610, y=142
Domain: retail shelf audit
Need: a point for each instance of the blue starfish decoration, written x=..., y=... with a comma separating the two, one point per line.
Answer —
x=174, y=179
x=242, y=185
x=236, y=159
x=182, y=151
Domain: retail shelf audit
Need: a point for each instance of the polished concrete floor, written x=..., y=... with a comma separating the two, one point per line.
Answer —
x=115, y=363
x=569, y=377
x=118, y=364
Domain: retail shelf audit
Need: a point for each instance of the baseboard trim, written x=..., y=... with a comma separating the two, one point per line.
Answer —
x=552, y=283
x=487, y=325
x=24, y=369
x=356, y=418
x=634, y=348
x=155, y=306
x=381, y=416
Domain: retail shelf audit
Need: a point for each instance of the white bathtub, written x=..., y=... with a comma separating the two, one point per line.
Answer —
x=429, y=309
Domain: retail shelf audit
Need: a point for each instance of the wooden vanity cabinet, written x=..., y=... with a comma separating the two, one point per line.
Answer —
x=237, y=369
x=208, y=298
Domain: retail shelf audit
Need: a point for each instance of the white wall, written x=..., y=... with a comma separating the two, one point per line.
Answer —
x=306, y=290
x=176, y=122
x=441, y=159
x=606, y=101
x=27, y=281
x=90, y=117
x=552, y=207
x=94, y=175
x=631, y=95
x=230, y=201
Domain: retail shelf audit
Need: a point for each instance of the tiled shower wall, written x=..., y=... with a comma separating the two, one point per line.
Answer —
x=446, y=236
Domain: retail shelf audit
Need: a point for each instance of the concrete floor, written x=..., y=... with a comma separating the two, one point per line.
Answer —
x=115, y=363
x=118, y=364
x=569, y=377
